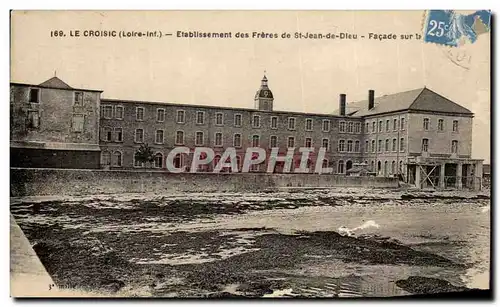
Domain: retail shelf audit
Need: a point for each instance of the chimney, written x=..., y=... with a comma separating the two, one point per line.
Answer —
x=342, y=104
x=371, y=99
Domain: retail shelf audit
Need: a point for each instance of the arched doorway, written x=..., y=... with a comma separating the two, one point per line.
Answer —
x=386, y=170
x=158, y=161
x=379, y=167
x=348, y=165
x=340, y=168
x=179, y=160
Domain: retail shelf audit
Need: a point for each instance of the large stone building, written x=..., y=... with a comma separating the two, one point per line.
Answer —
x=418, y=135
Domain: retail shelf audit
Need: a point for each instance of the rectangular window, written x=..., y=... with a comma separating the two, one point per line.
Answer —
x=78, y=122
x=395, y=124
x=342, y=126
x=394, y=145
x=200, y=117
x=291, y=123
x=454, y=146
x=440, y=124
x=255, y=141
x=326, y=144
x=237, y=120
x=256, y=121
x=139, y=113
x=118, y=135
x=78, y=98
x=273, y=141
x=34, y=95
x=402, y=122
x=309, y=124
x=387, y=128
x=139, y=135
x=106, y=134
x=159, y=137
x=357, y=128
x=199, y=139
x=291, y=142
x=379, y=145
x=219, y=119
x=237, y=140
x=380, y=128
x=373, y=127
x=308, y=142
x=107, y=111
x=373, y=145
x=326, y=125
x=387, y=145
x=33, y=119
x=160, y=115
x=426, y=124
x=274, y=122
x=341, y=146
x=218, y=139
x=179, y=138
x=356, y=146
x=180, y=116
x=119, y=112
x=425, y=145
x=402, y=145
x=350, y=127
x=455, y=126
x=349, y=145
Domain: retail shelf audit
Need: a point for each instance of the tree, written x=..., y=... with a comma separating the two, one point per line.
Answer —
x=145, y=154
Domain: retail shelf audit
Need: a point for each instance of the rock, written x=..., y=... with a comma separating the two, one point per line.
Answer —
x=427, y=285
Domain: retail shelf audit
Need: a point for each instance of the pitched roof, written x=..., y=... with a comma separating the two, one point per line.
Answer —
x=422, y=99
x=55, y=82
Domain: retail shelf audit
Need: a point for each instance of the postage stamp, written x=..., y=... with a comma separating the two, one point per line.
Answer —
x=451, y=28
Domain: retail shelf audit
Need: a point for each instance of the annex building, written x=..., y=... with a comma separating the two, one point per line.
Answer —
x=418, y=135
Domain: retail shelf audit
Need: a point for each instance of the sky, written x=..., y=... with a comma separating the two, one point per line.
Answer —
x=305, y=75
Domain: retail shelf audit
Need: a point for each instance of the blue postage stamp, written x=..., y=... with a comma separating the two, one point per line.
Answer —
x=451, y=28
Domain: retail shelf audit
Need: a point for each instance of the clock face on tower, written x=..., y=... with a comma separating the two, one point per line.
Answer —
x=266, y=93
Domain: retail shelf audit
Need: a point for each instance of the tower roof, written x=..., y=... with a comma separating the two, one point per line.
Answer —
x=264, y=91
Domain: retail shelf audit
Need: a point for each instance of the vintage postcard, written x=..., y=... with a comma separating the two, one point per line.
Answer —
x=250, y=154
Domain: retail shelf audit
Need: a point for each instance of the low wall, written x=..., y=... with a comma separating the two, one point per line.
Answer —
x=30, y=182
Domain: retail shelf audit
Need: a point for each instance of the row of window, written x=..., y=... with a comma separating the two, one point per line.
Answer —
x=352, y=146
x=33, y=121
x=107, y=113
x=396, y=124
x=34, y=97
x=349, y=127
x=425, y=145
x=200, y=138
x=389, y=146
x=440, y=125
x=116, y=159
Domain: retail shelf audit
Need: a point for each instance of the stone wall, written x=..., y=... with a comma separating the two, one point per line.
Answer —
x=30, y=182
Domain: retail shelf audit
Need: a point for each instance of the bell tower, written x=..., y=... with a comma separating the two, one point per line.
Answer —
x=264, y=97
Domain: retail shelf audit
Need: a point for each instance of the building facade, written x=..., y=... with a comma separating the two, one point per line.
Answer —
x=54, y=125
x=418, y=135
